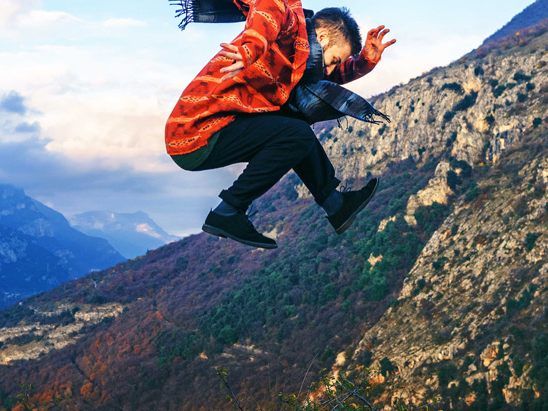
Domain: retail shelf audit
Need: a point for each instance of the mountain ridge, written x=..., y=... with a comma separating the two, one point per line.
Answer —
x=132, y=234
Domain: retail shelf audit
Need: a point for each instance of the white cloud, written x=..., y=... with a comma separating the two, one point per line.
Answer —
x=45, y=19
x=97, y=105
x=123, y=23
x=11, y=11
x=19, y=17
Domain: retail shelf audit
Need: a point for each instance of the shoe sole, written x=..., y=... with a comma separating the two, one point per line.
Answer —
x=344, y=226
x=222, y=233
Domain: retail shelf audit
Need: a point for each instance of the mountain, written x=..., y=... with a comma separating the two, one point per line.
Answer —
x=435, y=297
x=39, y=250
x=533, y=15
x=132, y=234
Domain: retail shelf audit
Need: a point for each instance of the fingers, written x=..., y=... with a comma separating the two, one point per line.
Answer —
x=236, y=66
x=374, y=32
x=230, y=51
x=388, y=44
x=229, y=47
x=231, y=74
x=232, y=56
x=376, y=35
x=383, y=33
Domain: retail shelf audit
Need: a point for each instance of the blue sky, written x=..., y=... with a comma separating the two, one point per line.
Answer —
x=86, y=87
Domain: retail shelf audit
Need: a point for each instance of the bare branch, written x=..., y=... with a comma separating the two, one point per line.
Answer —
x=307, y=370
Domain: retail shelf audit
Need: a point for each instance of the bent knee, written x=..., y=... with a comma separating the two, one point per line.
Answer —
x=301, y=132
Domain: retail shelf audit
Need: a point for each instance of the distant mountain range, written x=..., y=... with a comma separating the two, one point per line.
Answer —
x=132, y=234
x=40, y=250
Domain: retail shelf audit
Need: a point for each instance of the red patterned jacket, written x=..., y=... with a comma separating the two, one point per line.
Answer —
x=274, y=46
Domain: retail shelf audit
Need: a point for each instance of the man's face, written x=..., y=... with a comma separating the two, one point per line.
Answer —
x=333, y=54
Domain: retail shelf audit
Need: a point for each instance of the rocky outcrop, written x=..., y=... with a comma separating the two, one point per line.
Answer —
x=30, y=341
x=485, y=266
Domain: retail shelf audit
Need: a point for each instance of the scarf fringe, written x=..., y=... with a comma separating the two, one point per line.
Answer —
x=369, y=116
x=186, y=10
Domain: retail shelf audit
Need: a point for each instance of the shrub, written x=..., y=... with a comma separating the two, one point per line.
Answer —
x=472, y=193
x=382, y=129
x=522, y=97
x=463, y=165
x=521, y=77
x=448, y=116
x=537, y=122
x=478, y=71
x=490, y=119
x=181, y=264
x=176, y=343
x=468, y=101
x=521, y=207
x=453, y=180
x=451, y=139
x=446, y=373
x=387, y=366
x=539, y=371
x=365, y=358
x=421, y=283
x=530, y=87
x=530, y=240
x=439, y=263
x=456, y=87
x=522, y=302
x=498, y=90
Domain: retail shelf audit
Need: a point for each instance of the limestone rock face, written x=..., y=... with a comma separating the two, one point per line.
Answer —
x=437, y=191
x=477, y=271
x=39, y=339
x=479, y=285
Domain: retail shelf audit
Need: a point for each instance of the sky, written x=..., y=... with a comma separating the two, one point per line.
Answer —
x=86, y=88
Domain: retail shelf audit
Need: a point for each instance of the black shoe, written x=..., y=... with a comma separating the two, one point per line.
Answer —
x=353, y=203
x=237, y=227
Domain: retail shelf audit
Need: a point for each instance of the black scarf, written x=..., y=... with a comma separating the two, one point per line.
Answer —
x=206, y=11
x=313, y=99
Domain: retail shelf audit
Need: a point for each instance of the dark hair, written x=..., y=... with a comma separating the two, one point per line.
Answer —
x=340, y=26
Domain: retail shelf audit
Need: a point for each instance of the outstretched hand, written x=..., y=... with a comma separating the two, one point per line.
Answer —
x=230, y=51
x=374, y=46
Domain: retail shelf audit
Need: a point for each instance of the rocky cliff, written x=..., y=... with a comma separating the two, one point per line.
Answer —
x=470, y=318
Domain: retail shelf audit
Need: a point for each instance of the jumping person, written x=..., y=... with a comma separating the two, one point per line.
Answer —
x=251, y=104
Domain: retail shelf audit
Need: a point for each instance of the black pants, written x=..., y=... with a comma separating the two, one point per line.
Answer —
x=271, y=144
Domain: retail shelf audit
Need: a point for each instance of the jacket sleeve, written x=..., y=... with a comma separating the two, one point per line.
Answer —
x=351, y=69
x=264, y=22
